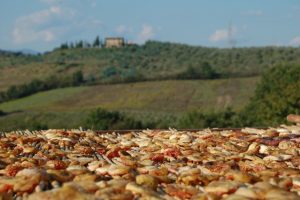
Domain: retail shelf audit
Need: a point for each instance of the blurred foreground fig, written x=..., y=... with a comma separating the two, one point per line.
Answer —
x=294, y=118
x=247, y=163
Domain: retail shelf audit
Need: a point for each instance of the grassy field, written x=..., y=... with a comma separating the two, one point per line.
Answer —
x=68, y=107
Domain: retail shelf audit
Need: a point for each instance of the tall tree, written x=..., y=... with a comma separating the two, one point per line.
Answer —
x=96, y=42
x=79, y=44
x=64, y=46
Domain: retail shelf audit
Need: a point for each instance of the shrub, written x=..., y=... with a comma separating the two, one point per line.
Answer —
x=197, y=119
x=109, y=72
x=77, y=78
x=101, y=119
x=35, y=125
x=2, y=113
x=204, y=71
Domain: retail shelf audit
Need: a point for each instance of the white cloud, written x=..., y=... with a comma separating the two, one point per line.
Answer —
x=222, y=34
x=295, y=41
x=256, y=13
x=219, y=35
x=43, y=25
x=146, y=33
x=122, y=29
x=55, y=10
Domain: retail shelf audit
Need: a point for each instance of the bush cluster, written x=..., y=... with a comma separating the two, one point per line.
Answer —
x=101, y=119
x=277, y=95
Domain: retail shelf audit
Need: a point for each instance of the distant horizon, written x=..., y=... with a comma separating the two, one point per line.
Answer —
x=34, y=51
x=44, y=24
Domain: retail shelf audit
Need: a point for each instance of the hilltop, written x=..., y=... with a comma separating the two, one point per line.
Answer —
x=151, y=61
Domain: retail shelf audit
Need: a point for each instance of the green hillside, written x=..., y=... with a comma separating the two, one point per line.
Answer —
x=68, y=107
x=155, y=82
x=151, y=61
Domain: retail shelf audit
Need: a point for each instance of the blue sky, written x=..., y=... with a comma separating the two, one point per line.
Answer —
x=44, y=24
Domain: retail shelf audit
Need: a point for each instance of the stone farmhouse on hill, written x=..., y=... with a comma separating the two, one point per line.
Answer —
x=114, y=42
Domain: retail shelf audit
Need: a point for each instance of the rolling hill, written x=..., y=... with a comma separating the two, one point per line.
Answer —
x=68, y=107
x=151, y=61
x=150, y=82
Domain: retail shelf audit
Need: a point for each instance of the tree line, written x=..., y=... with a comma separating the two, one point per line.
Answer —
x=36, y=85
x=97, y=43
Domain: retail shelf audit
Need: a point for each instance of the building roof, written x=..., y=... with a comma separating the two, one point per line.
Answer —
x=114, y=38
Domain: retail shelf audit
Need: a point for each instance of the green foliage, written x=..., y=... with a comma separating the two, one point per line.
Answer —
x=163, y=60
x=197, y=119
x=64, y=46
x=12, y=93
x=97, y=42
x=276, y=96
x=79, y=44
x=101, y=119
x=52, y=82
x=110, y=72
x=190, y=73
x=77, y=78
x=15, y=92
x=173, y=97
x=2, y=113
x=91, y=79
x=151, y=61
x=122, y=74
x=205, y=71
x=32, y=124
x=131, y=75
